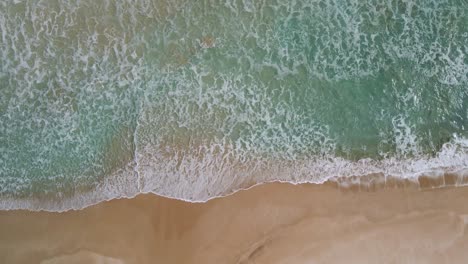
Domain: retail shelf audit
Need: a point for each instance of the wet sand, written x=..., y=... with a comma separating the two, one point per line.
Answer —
x=271, y=223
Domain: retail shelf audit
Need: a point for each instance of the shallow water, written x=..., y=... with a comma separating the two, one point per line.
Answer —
x=195, y=99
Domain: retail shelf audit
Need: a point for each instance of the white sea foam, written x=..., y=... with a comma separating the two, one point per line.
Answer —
x=205, y=123
x=212, y=172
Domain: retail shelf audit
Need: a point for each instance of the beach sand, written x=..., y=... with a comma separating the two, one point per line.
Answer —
x=270, y=223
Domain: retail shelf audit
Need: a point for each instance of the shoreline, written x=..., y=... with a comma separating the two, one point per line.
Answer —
x=369, y=182
x=269, y=223
x=213, y=177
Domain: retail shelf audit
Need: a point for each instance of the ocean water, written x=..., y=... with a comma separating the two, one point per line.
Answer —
x=197, y=99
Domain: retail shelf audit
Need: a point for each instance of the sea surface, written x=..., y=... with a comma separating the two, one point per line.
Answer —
x=197, y=99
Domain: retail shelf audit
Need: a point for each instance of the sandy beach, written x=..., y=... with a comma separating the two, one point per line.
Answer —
x=271, y=223
x=133, y=125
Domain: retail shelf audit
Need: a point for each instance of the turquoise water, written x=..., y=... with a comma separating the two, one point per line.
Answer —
x=195, y=99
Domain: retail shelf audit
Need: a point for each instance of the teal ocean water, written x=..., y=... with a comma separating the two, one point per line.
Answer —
x=196, y=99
